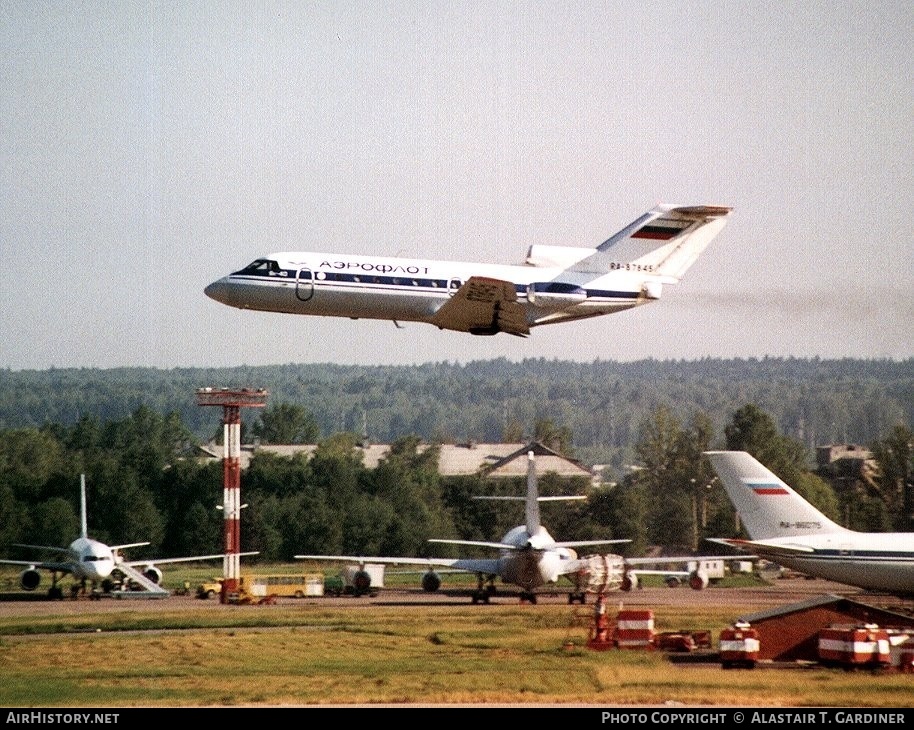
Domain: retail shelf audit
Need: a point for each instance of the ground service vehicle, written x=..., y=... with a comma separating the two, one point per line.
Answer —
x=282, y=586
x=210, y=588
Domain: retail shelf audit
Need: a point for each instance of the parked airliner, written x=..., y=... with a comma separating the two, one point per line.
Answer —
x=786, y=529
x=530, y=558
x=92, y=563
x=554, y=284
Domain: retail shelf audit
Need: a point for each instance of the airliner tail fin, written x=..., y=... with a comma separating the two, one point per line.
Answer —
x=84, y=525
x=767, y=507
x=665, y=242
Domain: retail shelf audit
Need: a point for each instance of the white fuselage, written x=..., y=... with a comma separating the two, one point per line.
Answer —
x=92, y=560
x=873, y=561
x=413, y=290
x=536, y=561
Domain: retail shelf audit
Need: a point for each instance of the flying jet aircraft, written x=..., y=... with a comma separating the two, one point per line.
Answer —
x=554, y=284
x=529, y=558
x=786, y=529
x=93, y=563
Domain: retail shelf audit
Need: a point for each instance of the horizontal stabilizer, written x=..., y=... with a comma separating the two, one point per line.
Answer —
x=763, y=549
x=478, y=543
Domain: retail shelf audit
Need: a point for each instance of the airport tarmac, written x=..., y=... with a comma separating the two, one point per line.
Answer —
x=775, y=593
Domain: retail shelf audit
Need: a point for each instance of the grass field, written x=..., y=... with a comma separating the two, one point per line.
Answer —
x=305, y=653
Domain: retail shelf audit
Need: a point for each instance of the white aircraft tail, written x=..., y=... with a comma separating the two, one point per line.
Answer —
x=664, y=242
x=84, y=524
x=767, y=507
x=532, y=502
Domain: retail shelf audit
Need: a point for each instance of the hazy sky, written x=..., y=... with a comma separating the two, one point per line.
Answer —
x=149, y=148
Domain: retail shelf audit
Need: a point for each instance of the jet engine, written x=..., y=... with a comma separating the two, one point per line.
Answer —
x=601, y=572
x=29, y=579
x=698, y=580
x=431, y=581
x=153, y=573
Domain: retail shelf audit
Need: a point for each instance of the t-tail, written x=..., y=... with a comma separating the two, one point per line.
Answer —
x=768, y=508
x=533, y=506
x=84, y=524
x=664, y=242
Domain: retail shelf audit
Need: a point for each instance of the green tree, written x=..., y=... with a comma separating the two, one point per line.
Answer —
x=557, y=438
x=754, y=431
x=894, y=482
x=286, y=423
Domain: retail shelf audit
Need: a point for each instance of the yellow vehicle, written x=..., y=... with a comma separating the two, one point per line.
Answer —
x=210, y=588
x=278, y=586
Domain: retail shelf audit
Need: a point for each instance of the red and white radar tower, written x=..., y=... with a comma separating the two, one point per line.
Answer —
x=232, y=401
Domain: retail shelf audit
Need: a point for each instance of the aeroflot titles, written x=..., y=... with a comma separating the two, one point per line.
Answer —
x=382, y=268
x=823, y=717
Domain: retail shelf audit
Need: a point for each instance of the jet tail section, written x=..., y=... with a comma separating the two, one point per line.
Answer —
x=767, y=507
x=532, y=506
x=665, y=242
x=84, y=525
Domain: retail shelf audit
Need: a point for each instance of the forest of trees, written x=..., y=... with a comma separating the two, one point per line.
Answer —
x=145, y=482
x=602, y=403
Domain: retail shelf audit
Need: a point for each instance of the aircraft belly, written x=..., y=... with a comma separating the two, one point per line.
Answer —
x=522, y=570
x=581, y=311
x=337, y=301
x=876, y=575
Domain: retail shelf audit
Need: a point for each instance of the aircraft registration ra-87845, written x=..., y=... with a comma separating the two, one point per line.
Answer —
x=530, y=558
x=94, y=563
x=554, y=284
x=786, y=529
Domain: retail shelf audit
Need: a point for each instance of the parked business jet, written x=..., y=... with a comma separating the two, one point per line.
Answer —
x=786, y=529
x=529, y=558
x=93, y=563
x=555, y=283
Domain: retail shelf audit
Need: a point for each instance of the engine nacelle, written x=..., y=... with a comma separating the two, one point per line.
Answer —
x=629, y=582
x=431, y=582
x=153, y=573
x=29, y=579
x=600, y=573
x=698, y=580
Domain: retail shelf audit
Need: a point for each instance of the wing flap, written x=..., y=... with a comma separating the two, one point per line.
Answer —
x=484, y=306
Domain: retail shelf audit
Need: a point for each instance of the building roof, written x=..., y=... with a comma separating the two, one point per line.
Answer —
x=494, y=460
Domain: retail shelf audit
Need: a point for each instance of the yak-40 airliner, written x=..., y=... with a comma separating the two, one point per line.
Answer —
x=554, y=284
x=786, y=529
x=530, y=558
x=93, y=563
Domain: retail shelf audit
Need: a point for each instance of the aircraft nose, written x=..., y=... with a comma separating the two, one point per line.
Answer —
x=219, y=290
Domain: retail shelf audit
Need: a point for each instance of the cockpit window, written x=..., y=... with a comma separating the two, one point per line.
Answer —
x=261, y=266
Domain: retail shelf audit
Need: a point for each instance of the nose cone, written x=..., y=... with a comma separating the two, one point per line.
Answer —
x=101, y=569
x=219, y=290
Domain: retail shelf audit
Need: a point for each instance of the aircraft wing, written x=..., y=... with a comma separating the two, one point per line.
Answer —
x=60, y=567
x=469, y=565
x=380, y=560
x=682, y=559
x=587, y=543
x=163, y=561
x=763, y=549
x=484, y=306
x=52, y=548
